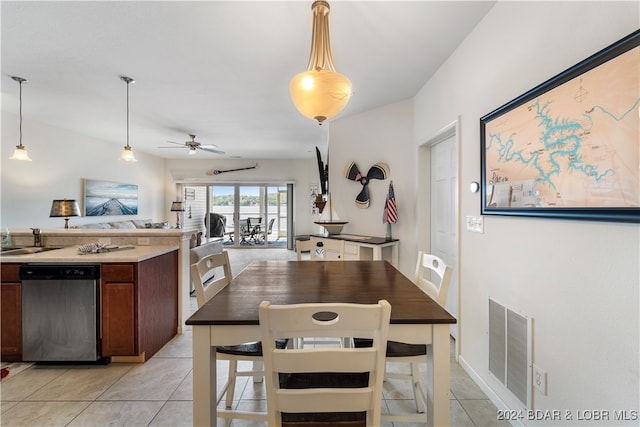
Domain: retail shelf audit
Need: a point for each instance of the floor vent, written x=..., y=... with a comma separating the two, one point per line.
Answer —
x=510, y=350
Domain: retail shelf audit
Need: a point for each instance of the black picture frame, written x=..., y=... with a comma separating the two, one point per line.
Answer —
x=522, y=139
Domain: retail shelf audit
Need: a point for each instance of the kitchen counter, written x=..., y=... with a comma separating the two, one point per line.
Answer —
x=71, y=255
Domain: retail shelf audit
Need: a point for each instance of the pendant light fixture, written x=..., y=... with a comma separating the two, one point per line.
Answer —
x=320, y=93
x=127, y=152
x=20, y=152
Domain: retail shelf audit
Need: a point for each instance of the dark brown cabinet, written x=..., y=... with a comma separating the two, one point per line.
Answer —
x=11, y=313
x=139, y=306
x=119, y=335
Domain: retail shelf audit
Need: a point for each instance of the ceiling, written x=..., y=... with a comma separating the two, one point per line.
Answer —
x=217, y=69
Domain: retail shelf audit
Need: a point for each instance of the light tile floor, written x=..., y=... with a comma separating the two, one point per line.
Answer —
x=159, y=393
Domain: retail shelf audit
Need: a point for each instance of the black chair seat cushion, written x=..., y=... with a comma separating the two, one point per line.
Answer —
x=395, y=348
x=323, y=380
x=248, y=348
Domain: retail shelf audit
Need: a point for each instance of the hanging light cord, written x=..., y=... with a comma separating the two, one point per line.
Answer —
x=127, y=112
x=20, y=113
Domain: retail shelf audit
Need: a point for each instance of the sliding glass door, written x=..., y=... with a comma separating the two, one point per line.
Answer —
x=242, y=215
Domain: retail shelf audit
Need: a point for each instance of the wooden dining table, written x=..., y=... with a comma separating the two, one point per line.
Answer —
x=231, y=317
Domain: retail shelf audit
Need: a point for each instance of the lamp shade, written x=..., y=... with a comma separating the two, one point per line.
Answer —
x=320, y=94
x=20, y=153
x=64, y=208
x=177, y=207
x=127, y=155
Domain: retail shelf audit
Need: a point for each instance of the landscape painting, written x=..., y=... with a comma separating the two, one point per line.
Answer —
x=104, y=198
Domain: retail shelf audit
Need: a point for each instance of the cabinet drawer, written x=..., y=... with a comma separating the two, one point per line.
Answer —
x=10, y=272
x=350, y=249
x=118, y=273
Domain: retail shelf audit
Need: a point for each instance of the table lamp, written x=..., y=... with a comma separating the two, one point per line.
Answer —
x=64, y=209
x=177, y=207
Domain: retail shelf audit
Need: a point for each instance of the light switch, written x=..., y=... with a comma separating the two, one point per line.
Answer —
x=475, y=224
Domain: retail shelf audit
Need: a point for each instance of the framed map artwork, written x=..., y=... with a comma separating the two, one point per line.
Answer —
x=570, y=147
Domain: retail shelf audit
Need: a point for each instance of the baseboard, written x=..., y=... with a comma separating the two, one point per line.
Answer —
x=493, y=397
x=128, y=359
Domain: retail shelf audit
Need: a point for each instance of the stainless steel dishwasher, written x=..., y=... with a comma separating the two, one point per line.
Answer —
x=60, y=312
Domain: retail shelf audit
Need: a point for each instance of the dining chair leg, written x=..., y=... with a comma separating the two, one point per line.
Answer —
x=417, y=391
x=231, y=388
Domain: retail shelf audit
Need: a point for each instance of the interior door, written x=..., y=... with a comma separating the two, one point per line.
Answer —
x=444, y=239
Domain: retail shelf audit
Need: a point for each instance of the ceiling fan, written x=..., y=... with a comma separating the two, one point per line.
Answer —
x=194, y=146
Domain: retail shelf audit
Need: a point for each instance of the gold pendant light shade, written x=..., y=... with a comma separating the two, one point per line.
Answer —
x=320, y=93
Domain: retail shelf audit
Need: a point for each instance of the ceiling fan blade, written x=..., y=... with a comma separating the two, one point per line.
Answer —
x=177, y=143
x=351, y=172
x=378, y=171
x=362, y=199
x=170, y=147
x=210, y=150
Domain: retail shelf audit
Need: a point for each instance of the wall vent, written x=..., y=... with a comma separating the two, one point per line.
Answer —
x=510, y=350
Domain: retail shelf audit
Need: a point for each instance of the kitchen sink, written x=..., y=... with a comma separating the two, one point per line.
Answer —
x=28, y=250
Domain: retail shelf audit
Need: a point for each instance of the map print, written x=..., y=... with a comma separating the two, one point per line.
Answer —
x=576, y=145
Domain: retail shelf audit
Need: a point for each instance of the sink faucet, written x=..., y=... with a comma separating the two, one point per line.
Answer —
x=37, y=237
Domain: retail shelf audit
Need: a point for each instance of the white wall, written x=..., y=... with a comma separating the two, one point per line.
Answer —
x=578, y=280
x=381, y=135
x=61, y=160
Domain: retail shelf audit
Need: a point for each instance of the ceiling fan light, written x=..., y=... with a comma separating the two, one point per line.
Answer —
x=127, y=155
x=192, y=151
x=20, y=153
x=321, y=94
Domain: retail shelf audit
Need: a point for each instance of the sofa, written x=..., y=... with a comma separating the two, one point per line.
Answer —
x=128, y=224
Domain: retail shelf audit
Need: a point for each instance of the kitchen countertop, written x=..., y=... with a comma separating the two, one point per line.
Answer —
x=70, y=255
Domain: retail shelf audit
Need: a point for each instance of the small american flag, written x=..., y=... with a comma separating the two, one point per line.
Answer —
x=390, y=215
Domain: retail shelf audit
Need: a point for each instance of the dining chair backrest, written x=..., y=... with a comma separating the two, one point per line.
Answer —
x=321, y=249
x=331, y=363
x=245, y=226
x=427, y=267
x=210, y=275
x=270, y=225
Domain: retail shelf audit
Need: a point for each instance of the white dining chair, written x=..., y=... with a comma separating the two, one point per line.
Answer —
x=211, y=274
x=432, y=276
x=324, y=384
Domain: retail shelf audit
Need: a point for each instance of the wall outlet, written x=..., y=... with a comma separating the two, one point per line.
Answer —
x=475, y=224
x=143, y=240
x=540, y=380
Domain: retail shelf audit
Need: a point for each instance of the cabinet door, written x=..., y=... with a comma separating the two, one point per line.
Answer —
x=351, y=251
x=119, y=331
x=11, y=314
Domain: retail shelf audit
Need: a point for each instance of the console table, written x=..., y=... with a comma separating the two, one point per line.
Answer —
x=358, y=247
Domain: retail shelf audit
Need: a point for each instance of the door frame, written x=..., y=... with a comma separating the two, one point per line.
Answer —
x=423, y=204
